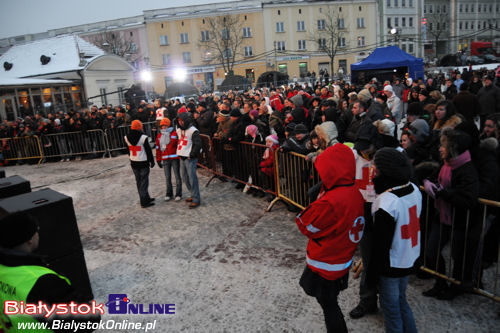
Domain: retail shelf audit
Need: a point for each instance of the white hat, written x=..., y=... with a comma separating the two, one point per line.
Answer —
x=388, y=88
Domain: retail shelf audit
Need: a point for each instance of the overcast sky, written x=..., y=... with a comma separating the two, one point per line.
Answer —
x=19, y=17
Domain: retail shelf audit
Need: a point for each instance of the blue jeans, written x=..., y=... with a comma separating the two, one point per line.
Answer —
x=190, y=178
x=398, y=316
x=142, y=182
x=168, y=165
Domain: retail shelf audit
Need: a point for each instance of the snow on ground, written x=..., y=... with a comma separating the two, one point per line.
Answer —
x=228, y=266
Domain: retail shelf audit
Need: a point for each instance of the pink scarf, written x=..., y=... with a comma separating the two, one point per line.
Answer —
x=444, y=179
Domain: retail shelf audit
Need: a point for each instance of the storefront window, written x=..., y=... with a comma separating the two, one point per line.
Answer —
x=303, y=69
x=250, y=74
x=77, y=97
x=283, y=68
x=24, y=103
x=58, y=103
x=68, y=102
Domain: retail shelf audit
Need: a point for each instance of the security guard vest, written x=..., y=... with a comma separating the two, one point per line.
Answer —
x=15, y=285
x=137, y=152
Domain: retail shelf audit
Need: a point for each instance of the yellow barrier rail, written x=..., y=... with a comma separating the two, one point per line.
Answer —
x=21, y=148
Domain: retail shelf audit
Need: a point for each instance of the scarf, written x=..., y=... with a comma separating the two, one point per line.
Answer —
x=444, y=179
x=165, y=138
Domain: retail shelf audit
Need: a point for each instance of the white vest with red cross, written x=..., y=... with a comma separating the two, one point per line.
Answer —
x=365, y=171
x=160, y=113
x=405, y=210
x=185, y=142
x=137, y=152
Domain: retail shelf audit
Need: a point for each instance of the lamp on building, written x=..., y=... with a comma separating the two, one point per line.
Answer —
x=395, y=32
x=180, y=74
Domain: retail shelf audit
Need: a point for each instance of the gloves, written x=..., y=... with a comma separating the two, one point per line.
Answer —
x=160, y=164
x=152, y=164
x=430, y=188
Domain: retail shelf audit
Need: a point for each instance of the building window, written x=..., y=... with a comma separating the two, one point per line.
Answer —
x=301, y=26
x=466, y=25
x=280, y=46
x=444, y=9
x=302, y=69
x=341, y=41
x=186, y=57
x=461, y=8
x=283, y=68
x=410, y=47
x=410, y=3
x=225, y=34
x=300, y=11
x=321, y=43
x=302, y=44
x=227, y=53
x=279, y=12
x=438, y=9
x=431, y=9
x=247, y=33
x=321, y=25
x=460, y=25
x=162, y=25
x=184, y=38
x=466, y=7
x=248, y=51
x=425, y=9
x=131, y=34
x=403, y=3
x=403, y=21
x=205, y=36
x=360, y=8
x=472, y=8
x=403, y=47
x=430, y=26
x=388, y=3
x=133, y=47
x=444, y=25
x=396, y=21
x=104, y=97
x=361, y=22
x=166, y=59
x=361, y=41
x=164, y=40
x=280, y=27
x=395, y=3
x=389, y=25
x=250, y=74
x=437, y=26
x=410, y=21
x=478, y=8
x=341, y=23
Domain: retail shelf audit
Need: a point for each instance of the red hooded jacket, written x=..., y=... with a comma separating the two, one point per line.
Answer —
x=333, y=223
x=170, y=152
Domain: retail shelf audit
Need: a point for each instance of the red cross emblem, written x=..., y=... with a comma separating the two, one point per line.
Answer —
x=134, y=149
x=411, y=230
x=182, y=142
x=356, y=231
x=365, y=180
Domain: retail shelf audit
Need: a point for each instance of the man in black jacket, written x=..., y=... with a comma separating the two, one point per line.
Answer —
x=141, y=159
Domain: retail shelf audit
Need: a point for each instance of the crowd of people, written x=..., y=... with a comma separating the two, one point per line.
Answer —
x=441, y=133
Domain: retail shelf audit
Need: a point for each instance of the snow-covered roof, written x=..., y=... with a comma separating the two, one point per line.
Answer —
x=21, y=82
x=62, y=50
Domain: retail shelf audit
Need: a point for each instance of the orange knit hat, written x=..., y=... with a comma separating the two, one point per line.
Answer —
x=165, y=122
x=136, y=125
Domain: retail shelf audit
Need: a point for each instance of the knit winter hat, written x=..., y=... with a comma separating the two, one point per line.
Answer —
x=419, y=128
x=364, y=95
x=17, y=229
x=251, y=130
x=273, y=138
x=388, y=88
x=136, y=125
x=254, y=113
x=393, y=164
x=165, y=122
x=300, y=129
x=290, y=127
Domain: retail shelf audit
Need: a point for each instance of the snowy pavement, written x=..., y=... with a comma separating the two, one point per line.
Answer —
x=227, y=265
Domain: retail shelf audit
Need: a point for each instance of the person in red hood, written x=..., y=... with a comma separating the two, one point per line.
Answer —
x=334, y=224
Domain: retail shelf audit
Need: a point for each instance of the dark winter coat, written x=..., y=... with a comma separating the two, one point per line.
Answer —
x=206, y=122
x=489, y=99
x=466, y=104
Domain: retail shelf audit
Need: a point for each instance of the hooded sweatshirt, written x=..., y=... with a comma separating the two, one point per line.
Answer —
x=334, y=223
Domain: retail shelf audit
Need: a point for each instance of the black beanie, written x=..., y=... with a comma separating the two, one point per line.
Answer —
x=235, y=113
x=17, y=229
x=415, y=109
x=393, y=164
x=301, y=129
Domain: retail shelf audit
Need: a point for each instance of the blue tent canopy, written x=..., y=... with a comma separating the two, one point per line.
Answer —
x=389, y=58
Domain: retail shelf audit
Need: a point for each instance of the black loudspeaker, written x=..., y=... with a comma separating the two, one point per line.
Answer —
x=59, y=236
x=2, y=173
x=13, y=185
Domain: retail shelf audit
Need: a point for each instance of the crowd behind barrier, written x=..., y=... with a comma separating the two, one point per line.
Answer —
x=249, y=138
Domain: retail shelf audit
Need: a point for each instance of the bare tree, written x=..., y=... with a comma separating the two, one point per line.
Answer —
x=437, y=27
x=222, y=42
x=116, y=43
x=329, y=36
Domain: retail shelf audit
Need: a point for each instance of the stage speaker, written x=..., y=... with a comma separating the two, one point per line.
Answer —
x=13, y=185
x=59, y=236
x=2, y=173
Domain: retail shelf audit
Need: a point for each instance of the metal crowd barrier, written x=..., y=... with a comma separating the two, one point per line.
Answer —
x=461, y=251
x=239, y=162
x=21, y=148
x=115, y=137
x=72, y=144
x=295, y=177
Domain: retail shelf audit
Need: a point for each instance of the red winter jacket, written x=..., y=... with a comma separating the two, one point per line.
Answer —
x=171, y=151
x=267, y=164
x=334, y=222
x=275, y=103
